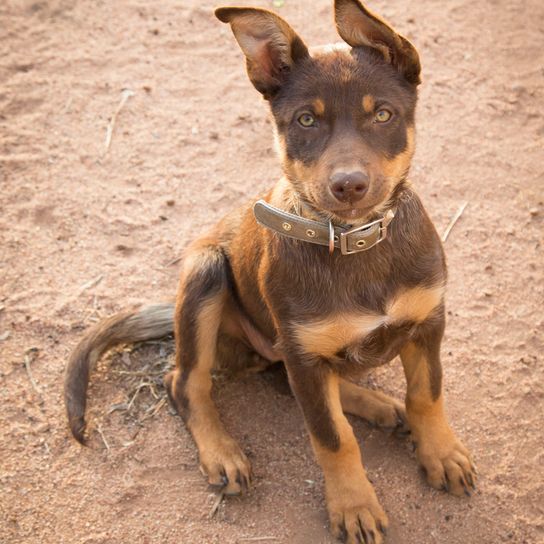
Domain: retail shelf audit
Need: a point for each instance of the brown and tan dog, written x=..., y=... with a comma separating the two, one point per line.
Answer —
x=338, y=269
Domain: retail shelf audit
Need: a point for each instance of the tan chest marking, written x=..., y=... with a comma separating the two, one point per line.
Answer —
x=328, y=335
x=415, y=304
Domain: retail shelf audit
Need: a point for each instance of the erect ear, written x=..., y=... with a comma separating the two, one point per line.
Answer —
x=271, y=46
x=357, y=26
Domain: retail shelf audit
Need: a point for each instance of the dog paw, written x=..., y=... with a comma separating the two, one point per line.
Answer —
x=358, y=518
x=447, y=465
x=390, y=414
x=376, y=407
x=226, y=467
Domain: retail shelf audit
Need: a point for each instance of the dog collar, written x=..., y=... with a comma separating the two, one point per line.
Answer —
x=348, y=240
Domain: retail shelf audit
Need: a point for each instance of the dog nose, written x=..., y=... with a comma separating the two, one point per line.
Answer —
x=349, y=187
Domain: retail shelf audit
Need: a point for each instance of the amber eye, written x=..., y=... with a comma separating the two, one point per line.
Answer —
x=306, y=120
x=382, y=116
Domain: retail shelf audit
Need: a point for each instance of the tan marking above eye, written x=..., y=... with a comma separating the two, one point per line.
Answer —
x=318, y=106
x=368, y=103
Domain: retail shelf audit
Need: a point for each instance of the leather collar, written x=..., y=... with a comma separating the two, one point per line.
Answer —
x=348, y=240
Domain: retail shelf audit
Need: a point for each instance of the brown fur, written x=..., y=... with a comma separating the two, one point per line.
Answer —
x=326, y=316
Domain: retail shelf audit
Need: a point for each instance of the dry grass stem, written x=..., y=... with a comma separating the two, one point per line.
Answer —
x=30, y=376
x=91, y=283
x=101, y=433
x=125, y=95
x=152, y=410
x=215, y=505
x=173, y=262
x=256, y=538
x=454, y=220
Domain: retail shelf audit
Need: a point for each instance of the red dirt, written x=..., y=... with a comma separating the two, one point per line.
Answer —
x=191, y=144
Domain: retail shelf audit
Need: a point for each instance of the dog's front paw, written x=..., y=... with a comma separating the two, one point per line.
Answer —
x=447, y=463
x=226, y=466
x=357, y=517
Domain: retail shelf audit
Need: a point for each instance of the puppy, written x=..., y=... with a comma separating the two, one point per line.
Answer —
x=337, y=269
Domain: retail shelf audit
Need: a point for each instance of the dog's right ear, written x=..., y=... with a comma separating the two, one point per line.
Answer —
x=272, y=48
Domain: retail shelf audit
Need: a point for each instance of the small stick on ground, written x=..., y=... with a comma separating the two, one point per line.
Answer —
x=30, y=376
x=215, y=505
x=454, y=220
x=154, y=409
x=256, y=538
x=125, y=95
x=91, y=283
x=172, y=262
x=101, y=433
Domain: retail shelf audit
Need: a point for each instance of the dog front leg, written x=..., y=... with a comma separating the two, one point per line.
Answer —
x=445, y=460
x=354, y=511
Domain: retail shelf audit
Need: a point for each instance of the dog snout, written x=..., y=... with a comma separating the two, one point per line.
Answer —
x=349, y=186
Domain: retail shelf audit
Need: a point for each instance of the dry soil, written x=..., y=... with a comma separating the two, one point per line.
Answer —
x=85, y=233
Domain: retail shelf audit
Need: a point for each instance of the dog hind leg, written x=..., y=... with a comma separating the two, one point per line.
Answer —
x=201, y=299
x=374, y=406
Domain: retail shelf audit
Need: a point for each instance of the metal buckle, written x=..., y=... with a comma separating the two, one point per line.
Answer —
x=382, y=234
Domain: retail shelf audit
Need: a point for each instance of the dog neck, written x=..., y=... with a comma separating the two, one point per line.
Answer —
x=285, y=197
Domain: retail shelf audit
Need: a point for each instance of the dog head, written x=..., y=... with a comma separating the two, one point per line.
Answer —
x=344, y=114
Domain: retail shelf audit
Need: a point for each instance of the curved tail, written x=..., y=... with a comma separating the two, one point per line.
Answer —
x=146, y=323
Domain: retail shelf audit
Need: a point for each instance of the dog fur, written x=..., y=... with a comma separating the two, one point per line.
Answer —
x=328, y=317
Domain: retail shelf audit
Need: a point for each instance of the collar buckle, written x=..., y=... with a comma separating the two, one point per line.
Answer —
x=361, y=244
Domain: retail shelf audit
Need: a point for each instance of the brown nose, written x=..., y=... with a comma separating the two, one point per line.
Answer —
x=349, y=187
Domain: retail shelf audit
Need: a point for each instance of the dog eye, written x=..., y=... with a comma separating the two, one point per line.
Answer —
x=382, y=116
x=306, y=120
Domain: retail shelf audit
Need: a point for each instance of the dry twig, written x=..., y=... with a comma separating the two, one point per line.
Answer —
x=125, y=95
x=216, y=504
x=154, y=409
x=91, y=283
x=30, y=376
x=101, y=433
x=256, y=538
x=454, y=220
x=172, y=262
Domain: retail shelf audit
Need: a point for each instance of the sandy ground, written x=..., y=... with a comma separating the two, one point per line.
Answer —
x=84, y=233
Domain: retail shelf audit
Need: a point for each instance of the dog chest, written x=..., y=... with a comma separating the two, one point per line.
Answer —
x=337, y=331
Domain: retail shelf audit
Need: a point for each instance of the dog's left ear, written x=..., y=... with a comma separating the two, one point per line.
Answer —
x=271, y=46
x=357, y=26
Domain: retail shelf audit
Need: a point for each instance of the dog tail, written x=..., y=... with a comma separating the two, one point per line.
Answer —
x=146, y=323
